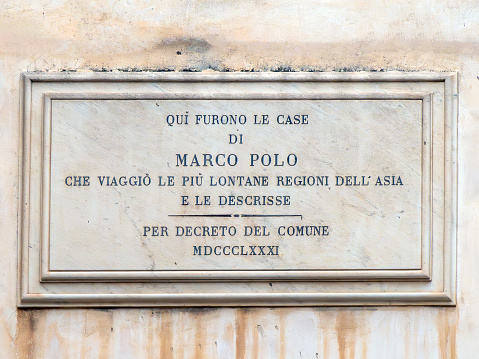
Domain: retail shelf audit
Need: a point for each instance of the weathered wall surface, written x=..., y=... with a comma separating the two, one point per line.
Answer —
x=254, y=35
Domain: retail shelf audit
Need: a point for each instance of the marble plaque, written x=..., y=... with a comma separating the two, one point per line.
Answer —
x=167, y=189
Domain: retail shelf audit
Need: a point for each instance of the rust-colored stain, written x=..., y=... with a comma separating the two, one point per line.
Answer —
x=240, y=331
x=253, y=330
x=166, y=348
x=101, y=323
x=195, y=333
x=201, y=335
x=156, y=336
x=150, y=334
x=344, y=329
x=282, y=336
x=349, y=332
x=325, y=333
x=447, y=327
x=24, y=340
x=229, y=333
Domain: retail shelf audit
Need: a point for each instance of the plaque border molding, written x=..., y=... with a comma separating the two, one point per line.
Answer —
x=427, y=274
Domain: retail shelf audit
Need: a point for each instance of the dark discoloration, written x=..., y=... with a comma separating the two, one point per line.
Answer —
x=185, y=44
x=102, y=310
x=206, y=65
x=24, y=340
x=200, y=310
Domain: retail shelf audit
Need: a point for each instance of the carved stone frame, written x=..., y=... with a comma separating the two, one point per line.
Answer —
x=432, y=284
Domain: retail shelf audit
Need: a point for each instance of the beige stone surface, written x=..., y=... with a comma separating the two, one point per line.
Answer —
x=252, y=35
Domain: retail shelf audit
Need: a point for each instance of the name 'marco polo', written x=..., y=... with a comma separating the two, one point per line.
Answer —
x=167, y=189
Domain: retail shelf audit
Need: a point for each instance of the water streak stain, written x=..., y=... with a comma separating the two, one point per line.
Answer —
x=446, y=328
x=240, y=330
x=201, y=337
x=24, y=341
x=282, y=334
x=346, y=334
x=101, y=325
x=166, y=349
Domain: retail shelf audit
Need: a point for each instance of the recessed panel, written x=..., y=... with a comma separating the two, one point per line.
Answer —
x=238, y=184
